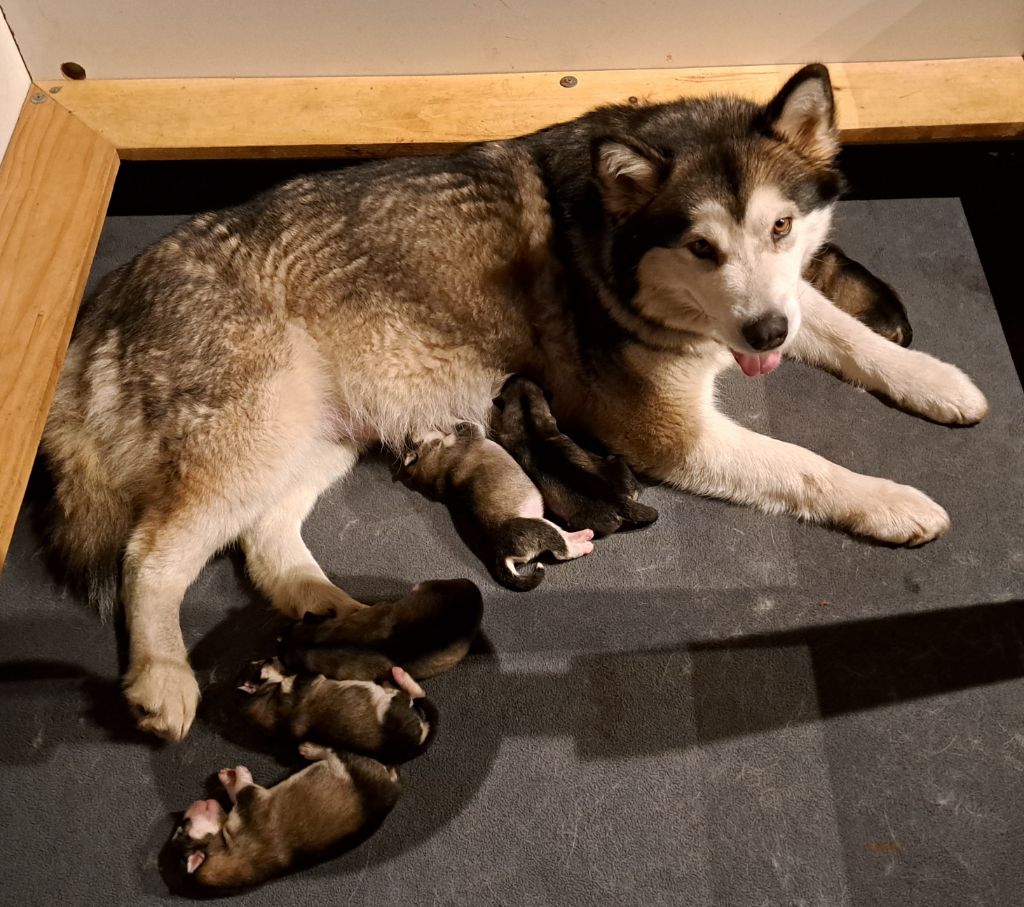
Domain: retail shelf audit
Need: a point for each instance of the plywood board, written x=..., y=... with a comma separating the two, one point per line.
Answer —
x=55, y=182
x=153, y=119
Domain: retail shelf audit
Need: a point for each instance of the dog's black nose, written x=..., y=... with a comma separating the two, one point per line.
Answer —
x=766, y=333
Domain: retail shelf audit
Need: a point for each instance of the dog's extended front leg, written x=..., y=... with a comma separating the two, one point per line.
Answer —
x=915, y=381
x=728, y=461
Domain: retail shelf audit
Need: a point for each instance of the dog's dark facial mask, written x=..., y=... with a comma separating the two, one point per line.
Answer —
x=713, y=210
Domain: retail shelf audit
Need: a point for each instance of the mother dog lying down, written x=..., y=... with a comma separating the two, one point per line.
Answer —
x=219, y=382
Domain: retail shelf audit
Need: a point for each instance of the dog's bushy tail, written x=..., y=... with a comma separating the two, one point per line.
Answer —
x=92, y=518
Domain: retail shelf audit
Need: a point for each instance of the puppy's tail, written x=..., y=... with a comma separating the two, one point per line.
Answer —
x=92, y=518
x=518, y=577
x=636, y=515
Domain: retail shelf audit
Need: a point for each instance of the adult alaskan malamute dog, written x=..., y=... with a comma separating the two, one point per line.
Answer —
x=218, y=383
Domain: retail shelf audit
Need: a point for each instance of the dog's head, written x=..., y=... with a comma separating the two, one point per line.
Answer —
x=715, y=207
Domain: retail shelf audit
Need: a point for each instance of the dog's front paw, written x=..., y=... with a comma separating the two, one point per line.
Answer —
x=164, y=695
x=897, y=514
x=941, y=392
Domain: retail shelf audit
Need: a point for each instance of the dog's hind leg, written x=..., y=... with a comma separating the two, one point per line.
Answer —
x=278, y=561
x=166, y=551
x=915, y=381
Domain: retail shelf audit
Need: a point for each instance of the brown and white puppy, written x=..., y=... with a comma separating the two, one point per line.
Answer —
x=490, y=493
x=317, y=813
x=580, y=488
x=428, y=631
x=858, y=292
x=390, y=723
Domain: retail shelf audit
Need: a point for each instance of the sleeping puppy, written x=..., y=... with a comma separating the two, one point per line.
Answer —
x=580, y=488
x=427, y=631
x=317, y=813
x=491, y=495
x=855, y=290
x=392, y=724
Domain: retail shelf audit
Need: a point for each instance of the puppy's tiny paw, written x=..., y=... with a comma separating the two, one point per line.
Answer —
x=313, y=751
x=579, y=543
x=164, y=696
x=234, y=779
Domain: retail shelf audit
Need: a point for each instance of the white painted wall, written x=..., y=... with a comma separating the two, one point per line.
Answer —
x=13, y=85
x=168, y=38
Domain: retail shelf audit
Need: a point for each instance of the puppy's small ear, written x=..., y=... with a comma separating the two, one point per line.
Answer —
x=803, y=114
x=194, y=861
x=628, y=172
x=411, y=456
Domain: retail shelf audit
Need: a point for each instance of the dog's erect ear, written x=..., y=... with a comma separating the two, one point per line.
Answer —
x=194, y=861
x=803, y=114
x=628, y=172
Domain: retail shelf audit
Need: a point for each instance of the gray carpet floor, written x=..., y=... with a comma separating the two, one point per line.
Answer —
x=726, y=709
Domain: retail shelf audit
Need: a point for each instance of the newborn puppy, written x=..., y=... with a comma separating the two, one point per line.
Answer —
x=486, y=489
x=317, y=813
x=427, y=631
x=392, y=724
x=580, y=488
x=855, y=290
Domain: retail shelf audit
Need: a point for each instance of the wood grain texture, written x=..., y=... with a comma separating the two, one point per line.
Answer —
x=216, y=118
x=55, y=183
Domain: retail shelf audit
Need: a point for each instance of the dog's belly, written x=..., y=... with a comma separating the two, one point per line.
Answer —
x=394, y=380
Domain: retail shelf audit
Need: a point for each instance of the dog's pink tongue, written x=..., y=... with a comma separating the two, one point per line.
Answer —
x=756, y=364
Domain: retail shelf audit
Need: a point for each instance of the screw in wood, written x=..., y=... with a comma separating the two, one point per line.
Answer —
x=568, y=81
x=38, y=98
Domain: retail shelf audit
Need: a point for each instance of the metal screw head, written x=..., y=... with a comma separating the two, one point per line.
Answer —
x=633, y=99
x=55, y=90
x=568, y=81
x=38, y=98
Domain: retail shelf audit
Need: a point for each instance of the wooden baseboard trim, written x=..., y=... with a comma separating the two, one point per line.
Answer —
x=980, y=98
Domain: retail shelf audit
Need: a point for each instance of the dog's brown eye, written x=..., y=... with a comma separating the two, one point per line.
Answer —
x=703, y=249
x=781, y=227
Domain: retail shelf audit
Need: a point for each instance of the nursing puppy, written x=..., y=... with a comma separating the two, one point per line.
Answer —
x=486, y=488
x=858, y=292
x=317, y=813
x=391, y=724
x=580, y=488
x=427, y=632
